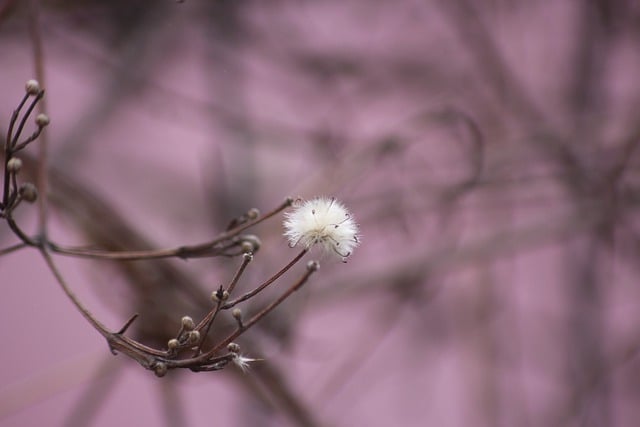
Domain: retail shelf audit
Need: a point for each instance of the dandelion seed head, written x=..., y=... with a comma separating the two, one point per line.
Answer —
x=323, y=221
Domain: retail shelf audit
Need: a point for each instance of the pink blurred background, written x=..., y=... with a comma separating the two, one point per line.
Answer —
x=487, y=149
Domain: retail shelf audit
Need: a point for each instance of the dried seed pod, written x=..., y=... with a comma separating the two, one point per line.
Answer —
x=194, y=337
x=28, y=192
x=32, y=87
x=160, y=369
x=42, y=120
x=187, y=323
x=14, y=165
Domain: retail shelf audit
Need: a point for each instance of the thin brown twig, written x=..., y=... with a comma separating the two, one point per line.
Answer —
x=312, y=267
x=38, y=59
x=205, y=325
x=183, y=252
x=159, y=360
x=7, y=150
x=13, y=248
x=102, y=329
x=272, y=279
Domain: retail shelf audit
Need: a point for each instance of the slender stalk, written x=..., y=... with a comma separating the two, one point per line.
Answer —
x=102, y=329
x=13, y=248
x=205, y=325
x=38, y=55
x=184, y=252
x=267, y=283
x=268, y=309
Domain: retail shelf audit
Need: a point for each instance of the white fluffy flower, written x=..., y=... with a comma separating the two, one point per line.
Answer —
x=325, y=221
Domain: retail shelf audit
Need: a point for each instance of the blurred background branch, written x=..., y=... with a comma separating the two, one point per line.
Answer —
x=487, y=149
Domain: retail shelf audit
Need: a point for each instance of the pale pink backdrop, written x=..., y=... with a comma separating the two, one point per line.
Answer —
x=496, y=283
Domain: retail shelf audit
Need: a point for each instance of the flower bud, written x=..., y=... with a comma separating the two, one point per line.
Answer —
x=246, y=247
x=160, y=369
x=173, y=344
x=32, y=87
x=313, y=265
x=253, y=213
x=219, y=295
x=236, y=313
x=194, y=337
x=14, y=165
x=250, y=243
x=42, y=120
x=28, y=192
x=187, y=323
x=233, y=348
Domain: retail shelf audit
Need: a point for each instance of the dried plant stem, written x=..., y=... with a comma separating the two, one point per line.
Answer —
x=228, y=243
x=190, y=251
x=102, y=329
x=267, y=283
x=8, y=150
x=38, y=55
x=205, y=325
x=13, y=248
x=312, y=268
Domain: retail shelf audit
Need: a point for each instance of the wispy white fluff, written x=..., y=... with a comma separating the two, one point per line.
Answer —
x=325, y=221
x=242, y=362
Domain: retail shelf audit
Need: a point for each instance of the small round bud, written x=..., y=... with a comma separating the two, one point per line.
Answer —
x=194, y=337
x=42, y=120
x=250, y=243
x=219, y=295
x=237, y=313
x=32, y=87
x=160, y=369
x=187, y=323
x=173, y=344
x=233, y=348
x=313, y=265
x=246, y=247
x=28, y=192
x=14, y=165
x=253, y=213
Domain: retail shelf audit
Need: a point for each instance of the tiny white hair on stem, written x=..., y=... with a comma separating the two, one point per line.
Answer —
x=323, y=221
